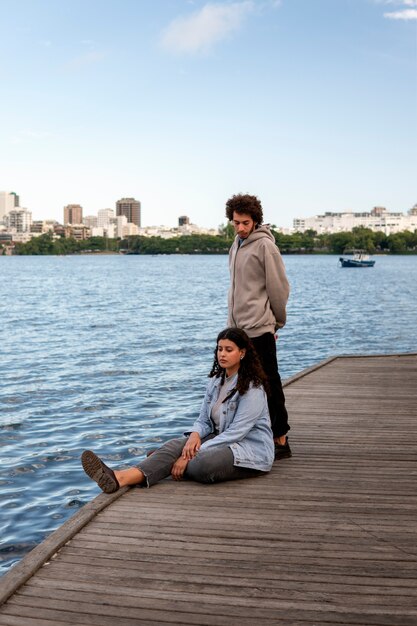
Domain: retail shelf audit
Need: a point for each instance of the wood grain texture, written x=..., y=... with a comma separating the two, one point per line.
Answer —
x=328, y=537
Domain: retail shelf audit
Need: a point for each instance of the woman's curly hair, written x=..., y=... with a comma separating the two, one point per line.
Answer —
x=250, y=370
x=244, y=203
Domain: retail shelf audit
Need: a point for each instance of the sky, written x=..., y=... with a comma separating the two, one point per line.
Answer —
x=309, y=104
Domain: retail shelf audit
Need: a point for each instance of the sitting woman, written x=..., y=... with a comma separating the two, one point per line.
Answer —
x=231, y=438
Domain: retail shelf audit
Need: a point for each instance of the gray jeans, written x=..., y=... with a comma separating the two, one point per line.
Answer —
x=209, y=466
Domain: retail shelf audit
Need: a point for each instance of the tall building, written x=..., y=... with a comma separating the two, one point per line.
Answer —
x=130, y=208
x=183, y=220
x=7, y=203
x=16, y=199
x=121, y=223
x=73, y=214
x=19, y=220
x=104, y=217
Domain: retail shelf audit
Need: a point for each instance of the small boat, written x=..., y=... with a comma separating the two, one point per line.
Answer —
x=359, y=259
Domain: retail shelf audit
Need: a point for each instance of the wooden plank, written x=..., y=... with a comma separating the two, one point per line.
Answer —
x=328, y=537
x=235, y=576
x=211, y=609
x=23, y=570
x=133, y=581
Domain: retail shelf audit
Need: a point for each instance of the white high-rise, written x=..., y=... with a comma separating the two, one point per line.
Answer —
x=104, y=217
x=7, y=203
x=18, y=220
x=121, y=223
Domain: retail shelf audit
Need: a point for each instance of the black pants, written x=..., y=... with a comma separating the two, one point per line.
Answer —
x=266, y=348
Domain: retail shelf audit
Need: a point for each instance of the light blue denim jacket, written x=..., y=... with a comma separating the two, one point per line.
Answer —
x=244, y=426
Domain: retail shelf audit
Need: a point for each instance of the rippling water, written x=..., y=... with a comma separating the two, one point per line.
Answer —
x=112, y=353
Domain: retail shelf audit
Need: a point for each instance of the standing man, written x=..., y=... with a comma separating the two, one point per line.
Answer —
x=257, y=299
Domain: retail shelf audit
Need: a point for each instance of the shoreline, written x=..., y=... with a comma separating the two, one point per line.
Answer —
x=203, y=253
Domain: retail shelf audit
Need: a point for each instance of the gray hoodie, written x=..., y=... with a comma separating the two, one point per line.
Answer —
x=259, y=287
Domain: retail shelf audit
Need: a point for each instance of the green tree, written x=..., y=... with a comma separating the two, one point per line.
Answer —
x=227, y=231
x=380, y=241
x=339, y=242
x=44, y=244
x=397, y=243
x=363, y=239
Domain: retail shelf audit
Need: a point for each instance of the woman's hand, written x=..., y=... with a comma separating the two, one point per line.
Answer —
x=178, y=469
x=191, y=447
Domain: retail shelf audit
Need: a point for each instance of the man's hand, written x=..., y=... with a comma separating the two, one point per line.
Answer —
x=178, y=469
x=191, y=447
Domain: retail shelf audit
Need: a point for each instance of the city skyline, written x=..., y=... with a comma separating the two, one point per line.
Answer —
x=132, y=208
x=309, y=104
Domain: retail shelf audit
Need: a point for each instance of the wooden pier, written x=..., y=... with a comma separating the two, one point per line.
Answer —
x=329, y=537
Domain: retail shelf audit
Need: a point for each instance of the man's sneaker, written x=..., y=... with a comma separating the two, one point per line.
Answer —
x=282, y=451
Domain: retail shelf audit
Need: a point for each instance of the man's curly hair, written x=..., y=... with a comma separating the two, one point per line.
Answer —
x=244, y=203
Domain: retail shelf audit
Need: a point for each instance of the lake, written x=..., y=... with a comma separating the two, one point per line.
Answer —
x=112, y=353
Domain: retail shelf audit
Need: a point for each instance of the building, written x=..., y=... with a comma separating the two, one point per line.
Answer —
x=78, y=231
x=108, y=231
x=39, y=227
x=16, y=199
x=90, y=221
x=121, y=225
x=377, y=220
x=18, y=220
x=130, y=230
x=104, y=217
x=166, y=232
x=188, y=228
x=73, y=214
x=131, y=209
x=59, y=231
x=6, y=239
x=22, y=237
x=7, y=202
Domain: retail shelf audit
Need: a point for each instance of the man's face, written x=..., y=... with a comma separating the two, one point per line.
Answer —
x=243, y=224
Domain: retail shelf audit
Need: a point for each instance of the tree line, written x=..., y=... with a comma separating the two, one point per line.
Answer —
x=337, y=243
x=297, y=243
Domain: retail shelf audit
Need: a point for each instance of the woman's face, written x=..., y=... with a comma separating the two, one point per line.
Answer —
x=229, y=356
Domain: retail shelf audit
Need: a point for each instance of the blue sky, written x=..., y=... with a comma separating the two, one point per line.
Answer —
x=309, y=104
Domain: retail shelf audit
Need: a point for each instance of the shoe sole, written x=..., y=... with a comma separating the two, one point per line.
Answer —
x=96, y=470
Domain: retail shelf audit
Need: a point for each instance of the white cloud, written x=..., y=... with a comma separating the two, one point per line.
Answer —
x=204, y=28
x=405, y=14
x=405, y=3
